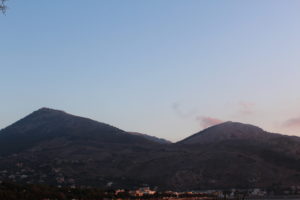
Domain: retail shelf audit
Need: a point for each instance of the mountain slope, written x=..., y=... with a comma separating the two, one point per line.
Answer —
x=152, y=138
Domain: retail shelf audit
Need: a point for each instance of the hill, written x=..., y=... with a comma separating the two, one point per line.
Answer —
x=229, y=131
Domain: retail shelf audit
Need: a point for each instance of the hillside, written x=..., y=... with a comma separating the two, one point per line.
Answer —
x=152, y=138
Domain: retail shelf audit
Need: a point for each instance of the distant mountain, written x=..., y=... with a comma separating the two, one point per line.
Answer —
x=53, y=147
x=229, y=131
x=152, y=138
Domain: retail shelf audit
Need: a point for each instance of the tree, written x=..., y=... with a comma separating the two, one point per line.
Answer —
x=3, y=7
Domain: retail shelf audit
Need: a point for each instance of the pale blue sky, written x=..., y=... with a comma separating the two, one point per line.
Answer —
x=162, y=67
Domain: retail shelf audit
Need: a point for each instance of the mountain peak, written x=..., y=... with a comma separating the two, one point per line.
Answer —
x=236, y=125
x=227, y=131
x=48, y=110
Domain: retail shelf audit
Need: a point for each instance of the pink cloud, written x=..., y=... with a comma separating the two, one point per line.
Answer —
x=206, y=122
x=291, y=123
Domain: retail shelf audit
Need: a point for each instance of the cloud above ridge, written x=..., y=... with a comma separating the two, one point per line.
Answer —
x=206, y=122
x=292, y=123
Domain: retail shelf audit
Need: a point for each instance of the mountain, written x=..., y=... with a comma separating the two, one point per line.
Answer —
x=46, y=124
x=152, y=138
x=53, y=147
x=236, y=154
x=229, y=131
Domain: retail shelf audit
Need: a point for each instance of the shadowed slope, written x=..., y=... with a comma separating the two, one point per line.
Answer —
x=152, y=138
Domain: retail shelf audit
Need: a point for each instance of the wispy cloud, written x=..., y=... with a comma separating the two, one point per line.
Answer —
x=206, y=122
x=292, y=123
x=245, y=108
x=183, y=112
x=192, y=113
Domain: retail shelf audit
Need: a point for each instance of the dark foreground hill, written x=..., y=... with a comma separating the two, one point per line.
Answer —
x=53, y=147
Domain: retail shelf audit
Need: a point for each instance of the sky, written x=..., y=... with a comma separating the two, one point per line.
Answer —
x=167, y=68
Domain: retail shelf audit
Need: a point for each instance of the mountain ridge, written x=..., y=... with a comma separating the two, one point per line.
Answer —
x=53, y=147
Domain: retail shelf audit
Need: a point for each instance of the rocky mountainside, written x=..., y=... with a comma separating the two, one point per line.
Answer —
x=53, y=147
